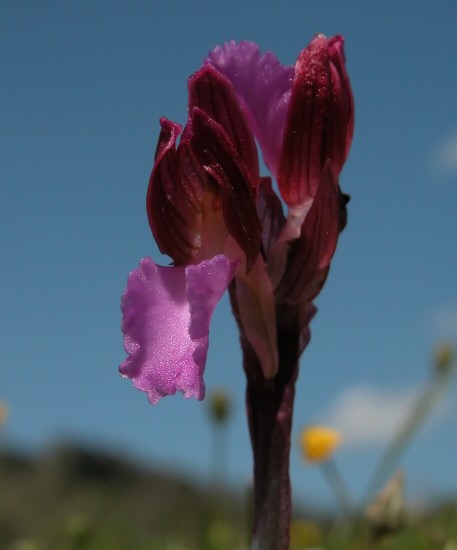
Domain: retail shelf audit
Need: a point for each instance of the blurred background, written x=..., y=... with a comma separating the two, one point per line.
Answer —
x=83, y=87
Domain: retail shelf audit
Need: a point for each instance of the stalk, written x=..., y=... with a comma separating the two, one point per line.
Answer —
x=270, y=406
x=270, y=409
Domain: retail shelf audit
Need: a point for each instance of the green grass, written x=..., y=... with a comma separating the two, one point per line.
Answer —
x=74, y=499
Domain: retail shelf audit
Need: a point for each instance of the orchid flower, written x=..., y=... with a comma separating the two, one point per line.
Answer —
x=223, y=225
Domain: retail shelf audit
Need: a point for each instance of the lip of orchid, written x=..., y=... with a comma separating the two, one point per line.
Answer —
x=166, y=317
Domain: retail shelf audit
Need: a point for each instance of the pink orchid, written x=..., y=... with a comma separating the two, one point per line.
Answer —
x=206, y=199
x=223, y=226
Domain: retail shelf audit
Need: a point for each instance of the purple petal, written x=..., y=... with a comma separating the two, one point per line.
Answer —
x=264, y=87
x=166, y=316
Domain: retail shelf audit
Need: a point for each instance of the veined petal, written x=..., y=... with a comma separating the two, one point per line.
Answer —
x=309, y=256
x=264, y=87
x=301, y=158
x=215, y=152
x=174, y=196
x=166, y=316
x=320, y=120
x=214, y=94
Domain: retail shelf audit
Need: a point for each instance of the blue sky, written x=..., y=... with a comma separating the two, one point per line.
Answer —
x=83, y=87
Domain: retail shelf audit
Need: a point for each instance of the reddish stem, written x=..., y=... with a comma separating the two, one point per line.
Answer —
x=270, y=407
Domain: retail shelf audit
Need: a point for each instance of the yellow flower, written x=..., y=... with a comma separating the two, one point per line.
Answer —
x=319, y=442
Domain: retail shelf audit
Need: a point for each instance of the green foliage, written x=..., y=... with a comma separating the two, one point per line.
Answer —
x=76, y=499
x=82, y=499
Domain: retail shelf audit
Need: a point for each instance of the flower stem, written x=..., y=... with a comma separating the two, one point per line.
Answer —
x=338, y=486
x=270, y=407
x=270, y=419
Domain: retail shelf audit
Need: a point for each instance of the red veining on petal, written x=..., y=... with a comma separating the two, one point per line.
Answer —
x=214, y=94
x=214, y=150
x=319, y=123
x=174, y=196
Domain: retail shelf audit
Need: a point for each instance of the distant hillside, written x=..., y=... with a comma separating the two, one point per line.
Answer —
x=76, y=498
x=84, y=498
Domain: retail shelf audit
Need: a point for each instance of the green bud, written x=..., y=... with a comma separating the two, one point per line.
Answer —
x=219, y=403
x=444, y=357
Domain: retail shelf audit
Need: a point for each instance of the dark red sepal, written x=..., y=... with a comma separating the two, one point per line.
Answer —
x=309, y=256
x=215, y=152
x=173, y=201
x=214, y=94
x=319, y=122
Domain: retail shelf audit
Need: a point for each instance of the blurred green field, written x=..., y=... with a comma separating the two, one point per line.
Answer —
x=75, y=498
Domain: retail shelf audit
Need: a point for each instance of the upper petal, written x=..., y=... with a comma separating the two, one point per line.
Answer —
x=166, y=316
x=264, y=87
x=301, y=158
x=319, y=123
